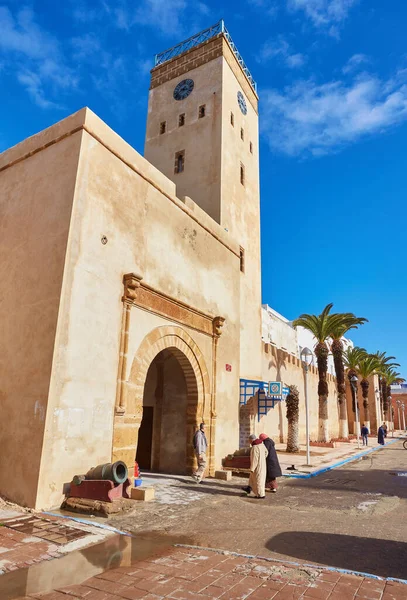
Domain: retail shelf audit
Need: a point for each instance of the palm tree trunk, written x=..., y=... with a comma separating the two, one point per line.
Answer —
x=292, y=404
x=364, y=384
x=321, y=352
x=293, y=436
x=337, y=351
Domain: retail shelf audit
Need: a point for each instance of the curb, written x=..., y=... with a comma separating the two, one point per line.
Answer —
x=340, y=463
x=296, y=564
x=86, y=522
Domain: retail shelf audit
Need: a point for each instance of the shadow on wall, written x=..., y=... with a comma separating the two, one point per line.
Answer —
x=368, y=555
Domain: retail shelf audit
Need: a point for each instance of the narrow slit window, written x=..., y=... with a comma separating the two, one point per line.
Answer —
x=251, y=148
x=232, y=119
x=242, y=265
x=181, y=120
x=179, y=161
x=202, y=111
x=242, y=174
x=163, y=127
x=242, y=133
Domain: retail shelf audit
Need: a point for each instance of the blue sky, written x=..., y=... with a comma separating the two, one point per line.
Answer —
x=332, y=78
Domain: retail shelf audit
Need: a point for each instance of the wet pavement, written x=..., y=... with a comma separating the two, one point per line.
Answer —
x=184, y=573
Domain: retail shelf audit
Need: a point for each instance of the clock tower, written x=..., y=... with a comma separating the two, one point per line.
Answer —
x=202, y=133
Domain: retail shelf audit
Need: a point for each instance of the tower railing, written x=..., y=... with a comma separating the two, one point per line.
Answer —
x=199, y=38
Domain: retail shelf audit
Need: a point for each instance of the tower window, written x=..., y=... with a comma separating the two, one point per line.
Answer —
x=179, y=161
x=242, y=133
x=181, y=120
x=242, y=265
x=251, y=148
x=163, y=127
x=242, y=174
x=201, y=111
x=232, y=119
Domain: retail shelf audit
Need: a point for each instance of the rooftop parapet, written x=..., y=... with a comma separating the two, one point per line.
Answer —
x=205, y=35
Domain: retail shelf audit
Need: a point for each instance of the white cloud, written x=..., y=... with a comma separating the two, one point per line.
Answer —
x=354, y=63
x=281, y=50
x=34, y=56
x=309, y=118
x=328, y=14
x=163, y=15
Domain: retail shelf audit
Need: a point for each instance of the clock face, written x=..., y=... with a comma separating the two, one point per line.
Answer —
x=183, y=89
x=242, y=102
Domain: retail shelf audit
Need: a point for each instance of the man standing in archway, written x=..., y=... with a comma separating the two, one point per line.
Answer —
x=200, y=447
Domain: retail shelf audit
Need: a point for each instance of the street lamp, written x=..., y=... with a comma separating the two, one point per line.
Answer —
x=404, y=420
x=378, y=411
x=389, y=399
x=306, y=358
x=354, y=384
x=398, y=402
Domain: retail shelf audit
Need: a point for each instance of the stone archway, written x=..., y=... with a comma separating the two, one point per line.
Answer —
x=182, y=346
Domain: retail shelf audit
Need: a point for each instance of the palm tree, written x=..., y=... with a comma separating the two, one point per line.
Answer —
x=352, y=357
x=292, y=404
x=350, y=321
x=389, y=377
x=385, y=364
x=321, y=327
x=368, y=366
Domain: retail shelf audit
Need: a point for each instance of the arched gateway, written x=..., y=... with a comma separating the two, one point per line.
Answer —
x=167, y=396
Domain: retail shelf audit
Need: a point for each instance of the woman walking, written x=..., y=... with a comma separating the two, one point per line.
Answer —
x=273, y=466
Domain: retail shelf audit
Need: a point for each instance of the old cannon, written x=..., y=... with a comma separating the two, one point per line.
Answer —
x=105, y=482
x=116, y=472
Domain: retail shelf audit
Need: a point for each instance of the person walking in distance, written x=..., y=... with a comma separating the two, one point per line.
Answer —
x=200, y=447
x=273, y=466
x=381, y=435
x=364, y=432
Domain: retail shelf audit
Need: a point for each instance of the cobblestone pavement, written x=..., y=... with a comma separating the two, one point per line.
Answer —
x=188, y=574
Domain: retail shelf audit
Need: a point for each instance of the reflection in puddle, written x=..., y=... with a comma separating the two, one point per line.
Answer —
x=77, y=566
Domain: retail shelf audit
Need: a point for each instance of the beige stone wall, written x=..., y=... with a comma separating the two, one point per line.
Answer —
x=200, y=138
x=120, y=196
x=36, y=195
x=280, y=366
x=214, y=153
x=241, y=213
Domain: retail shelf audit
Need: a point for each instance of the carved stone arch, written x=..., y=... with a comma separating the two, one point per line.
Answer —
x=179, y=343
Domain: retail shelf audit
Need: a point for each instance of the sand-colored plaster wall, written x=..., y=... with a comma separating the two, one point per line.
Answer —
x=147, y=234
x=241, y=213
x=200, y=138
x=36, y=195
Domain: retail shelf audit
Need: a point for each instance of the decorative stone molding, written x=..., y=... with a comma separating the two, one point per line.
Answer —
x=218, y=323
x=131, y=282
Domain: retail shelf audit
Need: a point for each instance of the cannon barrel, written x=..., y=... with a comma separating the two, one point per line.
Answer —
x=116, y=472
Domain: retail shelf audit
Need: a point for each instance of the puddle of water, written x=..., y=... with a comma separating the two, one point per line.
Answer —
x=78, y=566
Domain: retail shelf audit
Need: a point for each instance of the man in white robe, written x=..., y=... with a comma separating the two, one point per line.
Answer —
x=258, y=467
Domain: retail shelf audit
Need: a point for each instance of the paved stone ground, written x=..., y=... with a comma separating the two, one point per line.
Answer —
x=351, y=518
x=189, y=574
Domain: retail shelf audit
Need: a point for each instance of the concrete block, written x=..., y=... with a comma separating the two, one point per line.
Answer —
x=224, y=475
x=142, y=493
